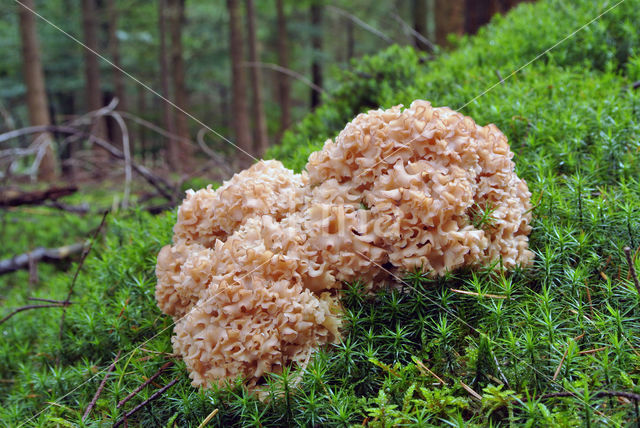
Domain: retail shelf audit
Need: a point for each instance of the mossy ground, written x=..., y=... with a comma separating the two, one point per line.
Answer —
x=570, y=324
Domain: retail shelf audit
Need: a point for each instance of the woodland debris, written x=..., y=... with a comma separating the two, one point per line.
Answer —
x=14, y=198
x=155, y=395
x=632, y=268
x=147, y=382
x=100, y=388
x=40, y=254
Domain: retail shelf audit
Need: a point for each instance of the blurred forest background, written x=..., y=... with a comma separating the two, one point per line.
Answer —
x=246, y=69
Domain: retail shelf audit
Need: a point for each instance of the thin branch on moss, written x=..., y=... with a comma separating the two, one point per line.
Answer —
x=632, y=268
x=28, y=307
x=100, y=388
x=75, y=275
x=147, y=382
x=471, y=392
x=208, y=418
x=39, y=299
x=624, y=394
x=145, y=402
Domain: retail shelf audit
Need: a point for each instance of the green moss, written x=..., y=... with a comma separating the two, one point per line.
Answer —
x=568, y=324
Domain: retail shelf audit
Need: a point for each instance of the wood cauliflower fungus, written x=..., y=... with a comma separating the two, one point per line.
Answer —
x=253, y=277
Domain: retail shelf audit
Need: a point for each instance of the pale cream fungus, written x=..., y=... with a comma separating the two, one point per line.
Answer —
x=253, y=276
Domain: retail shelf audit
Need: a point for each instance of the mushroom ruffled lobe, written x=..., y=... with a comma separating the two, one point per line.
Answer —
x=253, y=277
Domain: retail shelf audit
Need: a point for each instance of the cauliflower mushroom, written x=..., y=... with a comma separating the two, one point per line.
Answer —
x=253, y=277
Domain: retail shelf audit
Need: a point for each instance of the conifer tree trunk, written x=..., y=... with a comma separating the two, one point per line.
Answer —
x=478, y=13
x=173, y=151
x=261, y=141
x=420, y=23
x=93, y=91
x=450, y=15
x=316, y=51
x=180, y=97
x=114, y=51
x=240, y=119
x=351, y=40
x=284, y=85
x=37, y=103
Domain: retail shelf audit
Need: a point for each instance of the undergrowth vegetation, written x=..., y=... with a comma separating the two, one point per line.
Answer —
x=552, y=345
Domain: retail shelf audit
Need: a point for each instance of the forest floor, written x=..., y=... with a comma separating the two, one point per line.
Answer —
x=556, y=344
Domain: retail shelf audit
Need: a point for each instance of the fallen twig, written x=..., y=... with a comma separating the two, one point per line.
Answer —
x=160, y=184
x=75, y=275
x=40, y=255
x=14, y=198
x=422, y=367
x=632, y=268
x=39, y=299
x=147, y=382
x=27, y=307
x=208, y=418
x=145, y=402
x=628, y=395
x=472, y=293
x=101, y=387
x=471, y=391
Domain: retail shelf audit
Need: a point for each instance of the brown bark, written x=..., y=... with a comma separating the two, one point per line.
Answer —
x=479, y=12
x=316, y=51
x=420, y=23
x=91, y=66
x=449, y=19
x=284, y=85
x=261, y=141
x=180, y=98
x=240, y=118
x=37, y=103
x=173, y=150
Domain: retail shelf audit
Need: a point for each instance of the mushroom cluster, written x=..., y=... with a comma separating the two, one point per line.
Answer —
x=253, y=277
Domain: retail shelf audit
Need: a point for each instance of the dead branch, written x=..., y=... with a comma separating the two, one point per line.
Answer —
x=219, y=160
x=624, y=394
x=40, y=299
x=407, y=29
x=75, y=275
x=159, y=183
x=75, y=209
x=632, y=268
x=14, y=198
x=288, y=72
x=147, y=382
x=153, y=396
x=361, y=23
x=40, y=255
x=100, y=388
x=28, y=307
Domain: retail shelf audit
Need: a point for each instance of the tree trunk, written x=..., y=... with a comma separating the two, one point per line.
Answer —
x=261, y=139
x=351, y=40
x=316, y=51
x=173, y=151
x=92, y=68
x=114, y=50
x=284, y=86
x=420, y=23
x=37, y=103
x=179, y=87
x=142, y=130
x=479, y=12
x=238, y=99
x=449, y=19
